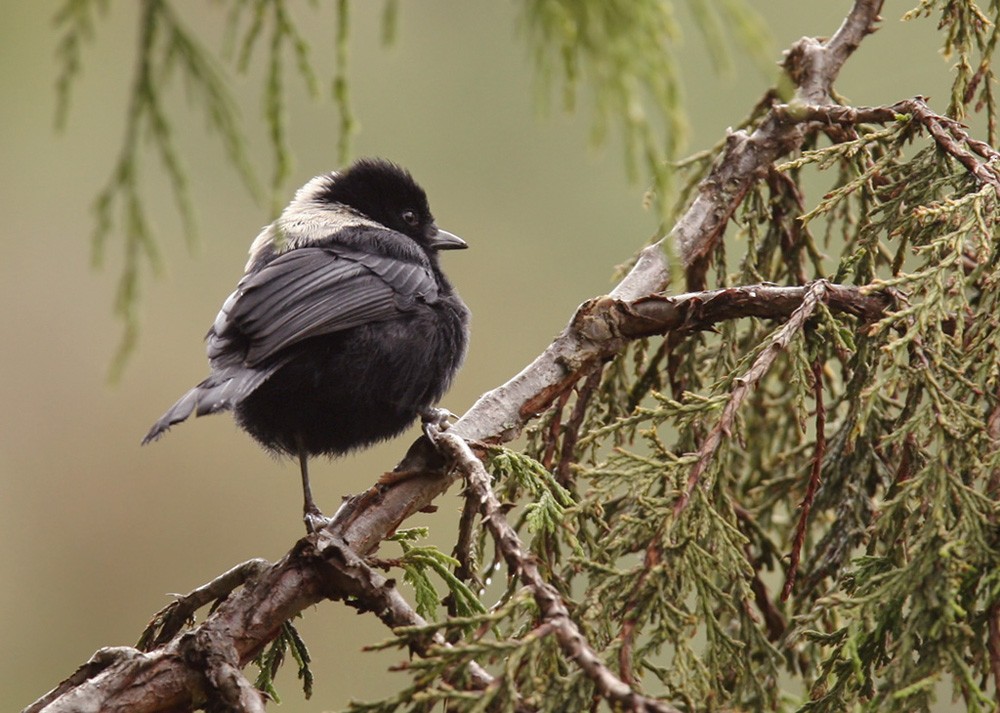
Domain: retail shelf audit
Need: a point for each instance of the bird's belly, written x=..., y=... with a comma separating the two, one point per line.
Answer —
x=351, y=389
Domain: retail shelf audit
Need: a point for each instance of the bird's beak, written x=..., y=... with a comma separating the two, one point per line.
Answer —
x=443, y=240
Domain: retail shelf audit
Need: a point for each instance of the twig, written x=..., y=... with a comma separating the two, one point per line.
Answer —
x=571, y=432
x=650, y=378
x=552, y=432
x=814, y=477
x=950, y=135
x=774, y=621
x=465, y=570
x=521, y=564
x=744, y=385
x=167, y=622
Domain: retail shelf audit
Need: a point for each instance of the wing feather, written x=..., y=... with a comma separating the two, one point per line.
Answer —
x=310, y=291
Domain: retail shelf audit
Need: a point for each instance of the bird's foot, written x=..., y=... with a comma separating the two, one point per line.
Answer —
x=315, y=520
x=436, y=417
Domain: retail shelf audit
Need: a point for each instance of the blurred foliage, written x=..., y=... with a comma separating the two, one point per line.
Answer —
x=166, y=47
x=619, y=52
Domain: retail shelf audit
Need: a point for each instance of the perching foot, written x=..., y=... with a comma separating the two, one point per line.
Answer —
x=437, y=417
x=315, y=520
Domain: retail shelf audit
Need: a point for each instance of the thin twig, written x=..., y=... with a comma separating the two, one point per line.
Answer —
x=167, y=622
x=571, y=432
x=550, y=604
x=950, y=135
x=552, y=432
x=814, y=478
x=466, y=570
x=744, y=385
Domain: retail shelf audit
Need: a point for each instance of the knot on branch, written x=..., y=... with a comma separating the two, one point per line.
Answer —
x=607, y=322
x=801, y=59
x=213, y=656
x=348, y=578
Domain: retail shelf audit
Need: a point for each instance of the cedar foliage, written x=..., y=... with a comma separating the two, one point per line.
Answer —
x=839, y=549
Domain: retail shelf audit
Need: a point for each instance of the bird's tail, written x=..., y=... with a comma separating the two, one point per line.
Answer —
x=220, y=392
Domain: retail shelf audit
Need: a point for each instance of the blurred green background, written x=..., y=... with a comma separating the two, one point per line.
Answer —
x=95, y=532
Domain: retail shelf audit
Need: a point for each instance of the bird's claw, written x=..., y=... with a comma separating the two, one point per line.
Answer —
x=315, y=520
x=435, y=419
x=437, y=416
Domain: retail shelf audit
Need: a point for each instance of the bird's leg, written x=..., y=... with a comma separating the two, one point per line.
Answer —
x=311, y=514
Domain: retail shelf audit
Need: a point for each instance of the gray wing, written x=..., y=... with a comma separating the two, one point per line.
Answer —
x=311, y=291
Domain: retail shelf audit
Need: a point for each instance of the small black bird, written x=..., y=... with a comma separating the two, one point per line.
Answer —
x=343, y=329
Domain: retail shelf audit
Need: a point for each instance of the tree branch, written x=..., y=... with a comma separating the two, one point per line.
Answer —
x=813, y=66
x=550, y=603
x=328, y=565
x=950, y=135
x=101, y=660
x=500, y=415
x=745, y=384
x=169, y=621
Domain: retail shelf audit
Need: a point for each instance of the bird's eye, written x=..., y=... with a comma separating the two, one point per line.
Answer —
x=410, y=217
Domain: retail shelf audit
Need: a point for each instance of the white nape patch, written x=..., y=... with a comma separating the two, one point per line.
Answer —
x=313, y=189
x=264, y=238
x=307, y=219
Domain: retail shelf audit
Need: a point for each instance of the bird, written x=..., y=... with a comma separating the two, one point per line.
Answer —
x=343, y=329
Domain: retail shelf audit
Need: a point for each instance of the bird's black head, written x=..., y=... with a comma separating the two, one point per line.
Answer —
x=387, y=193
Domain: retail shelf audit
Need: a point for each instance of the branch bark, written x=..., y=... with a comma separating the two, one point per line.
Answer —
x=950, y=135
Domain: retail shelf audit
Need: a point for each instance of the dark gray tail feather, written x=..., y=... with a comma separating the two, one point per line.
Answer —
x=220, y=392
